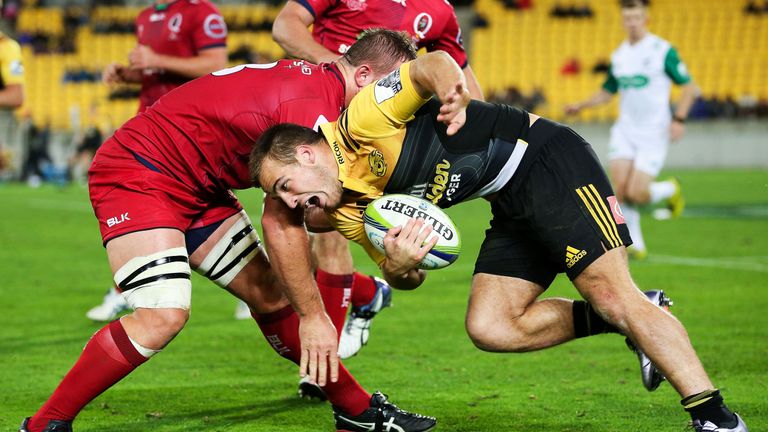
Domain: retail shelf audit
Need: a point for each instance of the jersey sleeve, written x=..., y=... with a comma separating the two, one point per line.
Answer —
x=675, y=68
x=451, y=42
x=11, y=67
x=611, y=84
x=383, y=108
x=210, y=30
x=347, y=220
x=316, y=7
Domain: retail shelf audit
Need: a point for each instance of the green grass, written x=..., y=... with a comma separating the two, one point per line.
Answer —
x=219, y=374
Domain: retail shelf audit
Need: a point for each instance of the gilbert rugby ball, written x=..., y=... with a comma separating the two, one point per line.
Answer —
x=397, y=209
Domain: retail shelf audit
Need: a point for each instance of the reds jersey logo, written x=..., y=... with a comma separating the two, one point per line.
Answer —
x=421, y=24
x=215, y=27
x=356, y=5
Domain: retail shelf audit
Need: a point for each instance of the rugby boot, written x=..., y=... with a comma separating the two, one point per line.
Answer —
x=676, y=203
x=382, y=416
x=53, y=426
x=708, y=426
x=310, y=390
x=652, y=377
x=358, y=324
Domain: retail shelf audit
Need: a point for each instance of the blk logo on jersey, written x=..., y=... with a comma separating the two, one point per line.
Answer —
x=117, y=219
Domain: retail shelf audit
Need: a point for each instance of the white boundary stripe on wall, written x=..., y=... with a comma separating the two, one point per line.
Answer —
x=748, y=263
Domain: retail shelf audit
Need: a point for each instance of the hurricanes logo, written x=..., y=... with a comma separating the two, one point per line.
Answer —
x=377, y=163
x=573, y=255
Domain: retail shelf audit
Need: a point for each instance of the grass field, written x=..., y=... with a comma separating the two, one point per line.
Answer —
x=220, y=375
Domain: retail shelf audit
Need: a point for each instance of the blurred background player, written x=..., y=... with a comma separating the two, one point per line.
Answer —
x=432, y=24
x=642, y=70
x=177, y=41
x=11, y=97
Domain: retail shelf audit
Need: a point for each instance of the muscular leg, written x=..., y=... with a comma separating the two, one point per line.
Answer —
x=256, y=284
x=504, y=316
x=120, y=347
x=608, y=286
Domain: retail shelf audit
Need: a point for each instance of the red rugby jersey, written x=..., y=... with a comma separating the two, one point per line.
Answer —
x=202, y=132
x=431, y=23
x=181, y=28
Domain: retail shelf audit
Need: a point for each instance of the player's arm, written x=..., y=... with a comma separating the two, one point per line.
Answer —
x=604, y=95
x=289, y=257
x=206, y=61
x=437, y=73
x=12, y=96
x=291, y=32
x=12, y=76
x=678, y=73
x=472, y=85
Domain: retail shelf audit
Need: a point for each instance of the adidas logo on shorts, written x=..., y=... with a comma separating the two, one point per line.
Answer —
x=573, y=255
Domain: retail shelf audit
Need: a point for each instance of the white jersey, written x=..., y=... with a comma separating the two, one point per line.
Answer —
x=643, y=74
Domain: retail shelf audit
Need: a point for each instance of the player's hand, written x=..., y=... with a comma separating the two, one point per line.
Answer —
x=142, y=57
x=405, y=246
x=319, y=349
x=676, y=130
x=453, y=111
x=113, y=74
x=572, y=109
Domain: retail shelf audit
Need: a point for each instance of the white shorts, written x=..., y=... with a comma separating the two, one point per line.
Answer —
x=646, y=147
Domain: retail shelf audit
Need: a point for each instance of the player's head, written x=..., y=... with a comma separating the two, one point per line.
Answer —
x=634, y=17
x=376, y=53
x=295, y=164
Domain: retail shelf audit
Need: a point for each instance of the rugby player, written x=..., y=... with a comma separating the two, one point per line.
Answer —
x=177, y=41
x=432, y=25
x=160, y=188
x=642, y=71
x=552, y=204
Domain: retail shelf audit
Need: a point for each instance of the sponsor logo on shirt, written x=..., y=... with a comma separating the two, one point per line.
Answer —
x=377, y=163
x=439, y=182
x=214, y=26
x=388, y=87
x=174, y=24
x=421, y=24
x=337, y=153
x=356, y=5
x=632, y=81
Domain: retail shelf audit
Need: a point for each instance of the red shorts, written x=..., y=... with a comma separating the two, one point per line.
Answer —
x=128, y=196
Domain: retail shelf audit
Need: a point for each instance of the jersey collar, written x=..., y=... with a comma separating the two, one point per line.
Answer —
x=343, y=162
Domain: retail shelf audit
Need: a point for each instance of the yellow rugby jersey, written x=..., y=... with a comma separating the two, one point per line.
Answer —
x=11, y=69
x=389, y=141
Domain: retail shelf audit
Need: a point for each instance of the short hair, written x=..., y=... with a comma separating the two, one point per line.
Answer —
x=279, y=144
x=629, y=4
x=381, y=48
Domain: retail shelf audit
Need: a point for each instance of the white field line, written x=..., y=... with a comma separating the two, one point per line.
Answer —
x=729, y=263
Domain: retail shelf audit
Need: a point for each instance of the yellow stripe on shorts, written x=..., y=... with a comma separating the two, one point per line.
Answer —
x=598, y=215
x=608, y=214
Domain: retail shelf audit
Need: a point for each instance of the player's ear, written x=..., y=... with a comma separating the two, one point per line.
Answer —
x=364, y=75
x=305, y=154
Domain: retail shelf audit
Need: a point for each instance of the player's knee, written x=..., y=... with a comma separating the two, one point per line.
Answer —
x=636, y=195
x=489, y=335
x=169, y=322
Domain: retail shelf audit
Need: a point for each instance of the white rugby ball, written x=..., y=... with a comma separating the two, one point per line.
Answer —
x=392, y=210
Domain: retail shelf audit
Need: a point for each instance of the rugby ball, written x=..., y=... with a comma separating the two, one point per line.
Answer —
x=396, y=210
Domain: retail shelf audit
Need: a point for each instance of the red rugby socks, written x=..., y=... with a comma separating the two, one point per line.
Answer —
x=363, y=289
x=281, y=329
x=106, y=359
